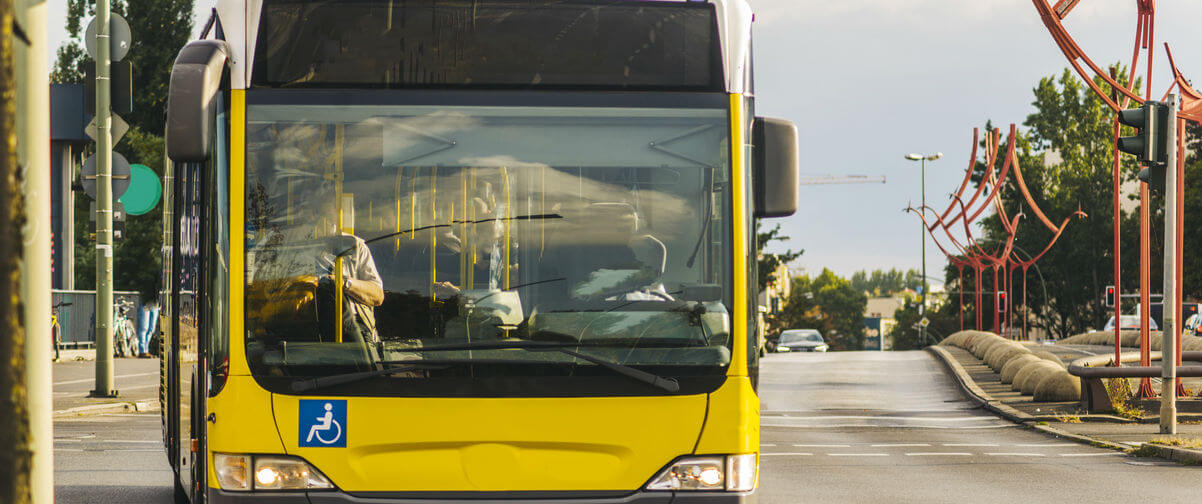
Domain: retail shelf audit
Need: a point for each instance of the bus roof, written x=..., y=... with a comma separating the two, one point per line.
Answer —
x=239, y=21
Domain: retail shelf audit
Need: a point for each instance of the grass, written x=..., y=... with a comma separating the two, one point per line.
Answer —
x=1119, y=390
x=1182, y=442
x=1066, y=418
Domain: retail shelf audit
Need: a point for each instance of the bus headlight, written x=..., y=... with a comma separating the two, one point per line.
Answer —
x=271, y=472
x=287, y=473
x=735, y=473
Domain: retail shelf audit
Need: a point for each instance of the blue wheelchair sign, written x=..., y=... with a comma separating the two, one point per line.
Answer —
x=322, y=423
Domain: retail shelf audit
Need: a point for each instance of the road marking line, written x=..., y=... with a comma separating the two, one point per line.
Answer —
x=939, y=454
x=822, y=446
x=93, y=379
x=899, y=445
x=850, y=425
x=966, y=445
x=1088, y=454
x=858, y=454
x=766, y=444
x=1048, y=445
x=783, y=454
x=68, y=449
x=1016, y=454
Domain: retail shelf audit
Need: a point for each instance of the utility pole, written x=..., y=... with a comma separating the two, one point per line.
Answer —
x=104, y=205
x=1171, y=303
x=33, y=157
x=14, y=421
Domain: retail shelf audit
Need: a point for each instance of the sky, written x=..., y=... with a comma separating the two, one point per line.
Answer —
x=868, y=81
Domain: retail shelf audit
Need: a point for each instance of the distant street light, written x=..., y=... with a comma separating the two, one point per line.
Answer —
x=922, y=308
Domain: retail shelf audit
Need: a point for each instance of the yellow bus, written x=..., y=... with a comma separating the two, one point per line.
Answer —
x=466, y=251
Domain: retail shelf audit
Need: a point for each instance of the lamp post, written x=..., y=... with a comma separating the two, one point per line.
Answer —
x=922, y=308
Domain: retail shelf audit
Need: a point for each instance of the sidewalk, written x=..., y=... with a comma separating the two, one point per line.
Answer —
x=1066, y=419
x=136, y=381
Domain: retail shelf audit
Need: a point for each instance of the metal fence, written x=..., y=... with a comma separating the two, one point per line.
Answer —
x=77, y=319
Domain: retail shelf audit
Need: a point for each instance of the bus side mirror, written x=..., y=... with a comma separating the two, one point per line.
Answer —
x=191, y=117
x=774, y=167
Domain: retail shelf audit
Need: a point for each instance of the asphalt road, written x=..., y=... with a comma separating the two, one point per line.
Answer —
x=116, y=458
x=890, y=427
x=861, y=427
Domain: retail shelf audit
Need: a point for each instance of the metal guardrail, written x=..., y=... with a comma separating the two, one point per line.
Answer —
x=1091, y=370
x=77, y=319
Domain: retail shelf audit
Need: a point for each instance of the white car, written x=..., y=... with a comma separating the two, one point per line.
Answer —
x=801, y=340
x=1130, y=323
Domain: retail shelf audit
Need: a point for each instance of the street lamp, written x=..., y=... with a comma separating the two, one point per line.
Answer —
x=922, y=308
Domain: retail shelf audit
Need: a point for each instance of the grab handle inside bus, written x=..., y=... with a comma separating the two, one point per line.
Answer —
x=191, y=108
x=775, y=175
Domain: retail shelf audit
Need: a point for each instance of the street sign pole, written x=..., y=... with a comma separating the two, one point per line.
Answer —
x=33, y=154
x=1171, y=303
x=104, y=206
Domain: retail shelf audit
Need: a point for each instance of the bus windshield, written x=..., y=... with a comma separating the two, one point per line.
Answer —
x=383, y=230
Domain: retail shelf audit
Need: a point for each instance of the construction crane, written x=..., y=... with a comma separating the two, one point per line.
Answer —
x=841, y=179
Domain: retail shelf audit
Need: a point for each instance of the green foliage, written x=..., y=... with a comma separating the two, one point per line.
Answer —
x=886, y=283
x=160, y=28
x=827, y=303
x=766, y=264
x=905, y=335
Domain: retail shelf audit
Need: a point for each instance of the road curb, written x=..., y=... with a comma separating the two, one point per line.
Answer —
x=1174, y=453
x=1101, y=443
x=974, y=391
x=100, y=409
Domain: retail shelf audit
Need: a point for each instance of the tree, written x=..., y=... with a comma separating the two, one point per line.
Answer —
x=160, y=28
x=827, y=303
x=1065, y=153
x=886, y=283
x=766, y=263
x=14, y=421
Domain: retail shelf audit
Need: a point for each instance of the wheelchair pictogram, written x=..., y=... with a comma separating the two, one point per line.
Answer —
x=322, y=423
x=326, y=423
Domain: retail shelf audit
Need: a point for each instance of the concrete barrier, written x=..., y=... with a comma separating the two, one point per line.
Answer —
x=1024, y=375
x=1058, y=386
x=1011, y=368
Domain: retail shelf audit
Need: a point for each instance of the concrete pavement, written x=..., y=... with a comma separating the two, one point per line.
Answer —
x=136, y=380
x=1065, y=419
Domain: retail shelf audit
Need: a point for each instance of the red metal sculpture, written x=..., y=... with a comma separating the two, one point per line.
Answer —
x=973, y=254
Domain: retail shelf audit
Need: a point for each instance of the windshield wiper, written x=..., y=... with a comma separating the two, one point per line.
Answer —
x=306, y=384
x=669, y=384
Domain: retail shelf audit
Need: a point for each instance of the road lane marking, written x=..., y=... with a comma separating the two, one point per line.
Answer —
x=967, y=445
x=766, y=444
x=1009, y=454
x=1046, y=445
x=858, y=454
x=939, y=454
x=1090, y=454
x=784, y=454
x=69, y=382
x=851, y=425
x=822, y=446
x=898, y=445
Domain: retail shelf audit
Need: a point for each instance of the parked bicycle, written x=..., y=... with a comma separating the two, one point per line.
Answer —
x=124, y=334
x=56, y=330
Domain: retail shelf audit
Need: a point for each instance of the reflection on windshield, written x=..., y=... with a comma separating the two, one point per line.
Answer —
x=376, y=231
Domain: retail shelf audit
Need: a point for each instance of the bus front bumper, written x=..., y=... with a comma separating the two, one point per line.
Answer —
x=337, y=497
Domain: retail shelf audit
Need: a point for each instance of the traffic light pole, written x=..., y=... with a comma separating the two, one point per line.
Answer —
x=104, y=206
x=1171, y=304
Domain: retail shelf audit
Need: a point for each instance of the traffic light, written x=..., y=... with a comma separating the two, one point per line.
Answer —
x=1110, y=296
x=1150, y=143
x=1001, y=301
